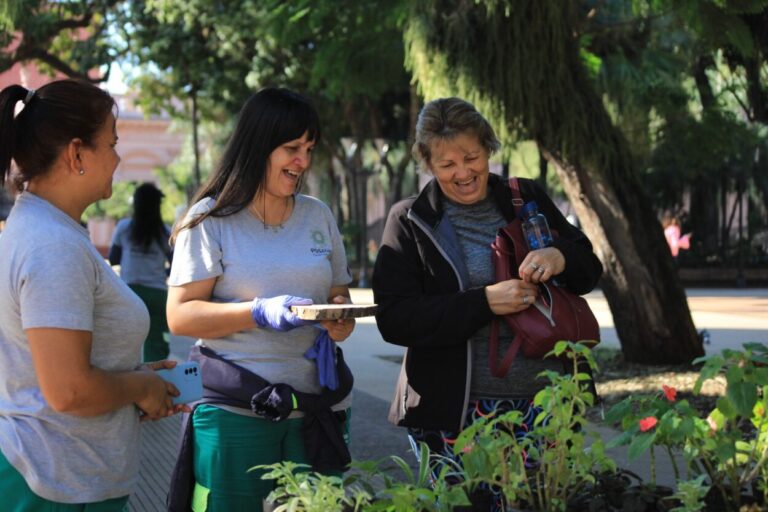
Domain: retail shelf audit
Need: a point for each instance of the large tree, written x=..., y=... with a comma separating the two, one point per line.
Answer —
x=64, y=37
x=519, y=61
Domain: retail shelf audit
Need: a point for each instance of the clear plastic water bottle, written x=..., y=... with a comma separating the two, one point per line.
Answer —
x=535, y=227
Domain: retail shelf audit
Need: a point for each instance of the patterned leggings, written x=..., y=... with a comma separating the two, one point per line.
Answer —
x=440, y=442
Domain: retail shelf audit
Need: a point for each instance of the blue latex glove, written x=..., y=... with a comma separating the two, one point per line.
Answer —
x=276, y=313
x=324, y=354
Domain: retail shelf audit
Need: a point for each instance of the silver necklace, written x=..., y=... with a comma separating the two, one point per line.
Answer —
x=275, y=228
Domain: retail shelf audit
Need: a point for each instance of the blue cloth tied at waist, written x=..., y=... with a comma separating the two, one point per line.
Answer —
x=324, y=354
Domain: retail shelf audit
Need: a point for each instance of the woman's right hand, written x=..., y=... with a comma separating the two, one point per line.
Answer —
x=157, y=402
x=511, y=296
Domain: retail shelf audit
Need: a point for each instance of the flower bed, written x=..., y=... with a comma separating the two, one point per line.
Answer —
x=561, y=466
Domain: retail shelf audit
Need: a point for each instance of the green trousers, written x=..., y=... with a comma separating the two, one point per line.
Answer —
x=227, y=445
x=16, y=496
x=155, y=346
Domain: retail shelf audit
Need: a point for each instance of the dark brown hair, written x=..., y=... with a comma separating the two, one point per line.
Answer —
x=51, y=117
x=269, y=118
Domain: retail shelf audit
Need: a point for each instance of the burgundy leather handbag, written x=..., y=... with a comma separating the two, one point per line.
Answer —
x=557, y=314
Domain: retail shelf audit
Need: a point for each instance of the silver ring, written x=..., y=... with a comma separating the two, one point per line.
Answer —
x=542, y=269
x=534, y=266
x=525, y=299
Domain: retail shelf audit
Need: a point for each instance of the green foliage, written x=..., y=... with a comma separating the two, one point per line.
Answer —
x=549, y=465
x=691, y=150
x=185, y=48
x=9, y=10
x=501, y=56
x=65, y=37
x=369, y=487
x=716, y=449
x=691, y=494
x=542, y=469
x=117, y=206
x=297, y=489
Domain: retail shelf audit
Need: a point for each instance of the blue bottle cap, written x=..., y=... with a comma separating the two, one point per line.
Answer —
x=530, y=208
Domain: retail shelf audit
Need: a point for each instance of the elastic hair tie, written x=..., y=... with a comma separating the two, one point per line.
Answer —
x=29, y=96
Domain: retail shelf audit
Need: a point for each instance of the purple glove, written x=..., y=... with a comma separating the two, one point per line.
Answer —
x=276, y=313
x=324, y=353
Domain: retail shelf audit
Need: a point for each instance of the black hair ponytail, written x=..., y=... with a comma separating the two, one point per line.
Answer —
x=9, y=97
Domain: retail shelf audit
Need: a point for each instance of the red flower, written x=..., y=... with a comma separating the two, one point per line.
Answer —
x=669, y=392
x=648, y=423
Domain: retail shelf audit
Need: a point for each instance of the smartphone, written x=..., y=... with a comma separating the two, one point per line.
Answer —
x=187, y=379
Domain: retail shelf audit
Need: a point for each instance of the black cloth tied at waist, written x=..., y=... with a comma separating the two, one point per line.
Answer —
x=227, y=383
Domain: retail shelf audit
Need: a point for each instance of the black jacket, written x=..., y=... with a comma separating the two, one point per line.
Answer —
x=420, y=284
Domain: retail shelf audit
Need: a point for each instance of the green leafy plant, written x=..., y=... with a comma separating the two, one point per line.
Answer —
x=549, y=466
x=690, y=494
x=299, y=489
x=369, y=486
x=727, y=450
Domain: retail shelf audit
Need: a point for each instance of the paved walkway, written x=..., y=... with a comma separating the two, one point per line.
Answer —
x=731, y=316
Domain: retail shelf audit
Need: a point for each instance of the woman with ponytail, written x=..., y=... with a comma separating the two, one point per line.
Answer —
x=73, y=391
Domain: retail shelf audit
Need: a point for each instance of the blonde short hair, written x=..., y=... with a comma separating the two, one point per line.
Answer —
x=446, y=118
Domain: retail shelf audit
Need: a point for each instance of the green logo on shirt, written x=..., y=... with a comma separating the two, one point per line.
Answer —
x=318, y=237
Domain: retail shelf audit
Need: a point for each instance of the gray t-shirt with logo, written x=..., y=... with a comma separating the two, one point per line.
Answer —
x=304, y=258
x=51, y=276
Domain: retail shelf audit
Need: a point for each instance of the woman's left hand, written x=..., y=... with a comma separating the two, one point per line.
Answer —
x=165, y=364
x=339, y=330
x=541, y=265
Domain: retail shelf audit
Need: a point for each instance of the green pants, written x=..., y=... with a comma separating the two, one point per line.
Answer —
x=155, y=346
x=227, y=445
x=18, y=497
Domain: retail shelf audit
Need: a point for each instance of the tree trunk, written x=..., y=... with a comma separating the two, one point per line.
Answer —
x=195, y=144
x=704, y=192
x=543, y=167
x=703, y=215
x=648, y=303
x=640, y=281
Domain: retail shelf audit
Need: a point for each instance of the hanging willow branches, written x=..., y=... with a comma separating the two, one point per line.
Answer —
x=513, y=60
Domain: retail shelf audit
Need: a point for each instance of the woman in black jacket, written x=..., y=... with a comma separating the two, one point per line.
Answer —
x=434, y=281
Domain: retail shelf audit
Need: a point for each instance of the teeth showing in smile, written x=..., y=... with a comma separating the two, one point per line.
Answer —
x=465, y=183
x=292, y=173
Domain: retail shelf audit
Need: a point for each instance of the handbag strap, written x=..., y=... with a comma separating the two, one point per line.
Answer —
x=500, y=370
x=517, y=198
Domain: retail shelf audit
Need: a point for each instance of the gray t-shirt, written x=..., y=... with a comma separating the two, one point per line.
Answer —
x=140, y=265
x=476, y=226
x=53, y=277
x=305, y=259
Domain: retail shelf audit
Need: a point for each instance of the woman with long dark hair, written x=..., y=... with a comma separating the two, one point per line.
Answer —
x=249, y=247
x=140, y=246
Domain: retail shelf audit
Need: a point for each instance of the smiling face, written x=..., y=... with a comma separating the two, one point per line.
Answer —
x=460, y=165
x=286, y=164
x=100, y=160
